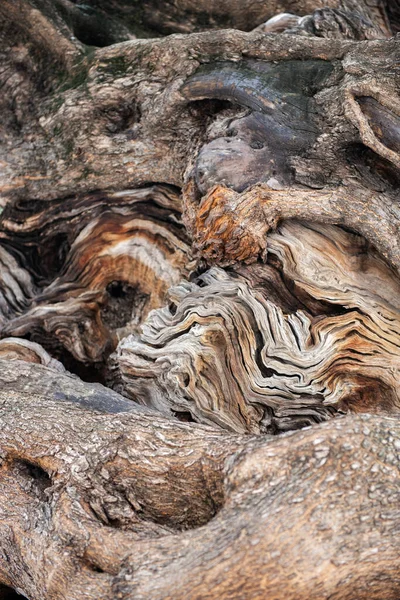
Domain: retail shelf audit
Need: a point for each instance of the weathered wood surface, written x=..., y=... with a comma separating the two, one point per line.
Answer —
x=207, y=223
x=226, y=351
x=117, y=255
x=100, y=498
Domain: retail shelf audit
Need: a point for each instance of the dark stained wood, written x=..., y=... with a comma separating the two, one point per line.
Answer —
x=281, y=124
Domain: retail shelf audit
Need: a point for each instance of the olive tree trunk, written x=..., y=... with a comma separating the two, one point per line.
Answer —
x=199, y=300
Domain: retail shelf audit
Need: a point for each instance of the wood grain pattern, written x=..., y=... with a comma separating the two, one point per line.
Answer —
x=117, y=261
x=209, y=223
x=226, y=354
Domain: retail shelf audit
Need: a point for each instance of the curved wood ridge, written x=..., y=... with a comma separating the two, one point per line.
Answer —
x=280, y=124
x=225, y=353
x=227, y=227
x=113, y=259
x=101, y=492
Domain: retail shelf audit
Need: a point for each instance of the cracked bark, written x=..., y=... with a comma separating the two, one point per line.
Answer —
x=208, y=224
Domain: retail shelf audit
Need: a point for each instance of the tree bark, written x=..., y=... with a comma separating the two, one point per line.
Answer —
x=199, y=300
x=102, y=498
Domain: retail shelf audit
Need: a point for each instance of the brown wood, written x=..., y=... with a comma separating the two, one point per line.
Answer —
x=199, y=300
x=101, y=498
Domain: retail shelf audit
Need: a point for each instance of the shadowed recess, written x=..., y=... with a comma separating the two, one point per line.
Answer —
x=7, y=593
x=78, y=293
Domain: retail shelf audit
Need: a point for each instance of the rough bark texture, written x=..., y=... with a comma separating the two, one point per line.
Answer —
x=207, y=224
x=102, y=499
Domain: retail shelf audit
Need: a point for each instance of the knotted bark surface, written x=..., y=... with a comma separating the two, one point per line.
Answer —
x=100, y=498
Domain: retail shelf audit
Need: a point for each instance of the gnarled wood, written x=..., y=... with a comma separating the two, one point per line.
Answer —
x=209, y=224
x=225, y=353
x=110, y=513
x=228, y=227
x=116, y=262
